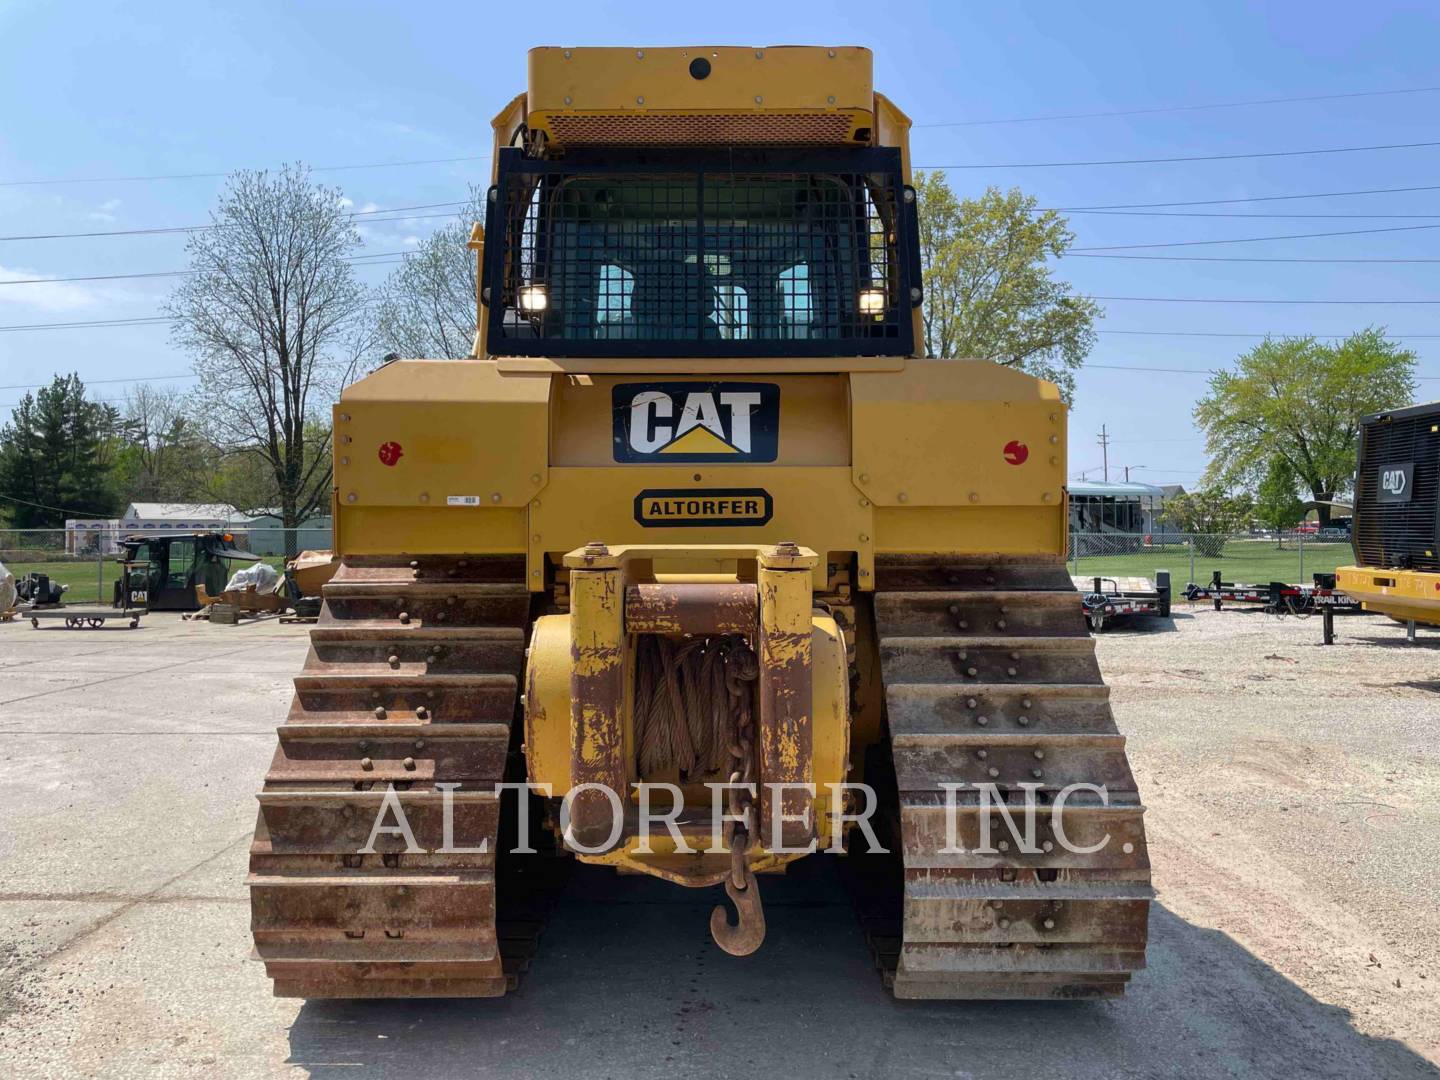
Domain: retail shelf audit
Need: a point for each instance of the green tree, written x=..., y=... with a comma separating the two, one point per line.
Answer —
x=56, y=457
x=989, y=291
x=1277, y=506
x=427, y=306
x=1301, y=400
x=246, y=482
x=165, y=458
x=1211, y=514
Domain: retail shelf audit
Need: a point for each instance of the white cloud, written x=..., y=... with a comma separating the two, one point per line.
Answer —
x=45, y=296
x=369, y=208
x=411, y=241
x=105, y=211
x=346, y=202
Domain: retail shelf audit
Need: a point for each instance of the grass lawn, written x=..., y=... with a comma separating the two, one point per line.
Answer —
x=80, y=576
x=1249, y=561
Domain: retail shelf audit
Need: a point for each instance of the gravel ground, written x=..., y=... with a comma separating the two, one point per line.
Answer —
x=1292, y=823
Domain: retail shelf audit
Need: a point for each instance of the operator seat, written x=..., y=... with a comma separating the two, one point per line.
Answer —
x=673, y=300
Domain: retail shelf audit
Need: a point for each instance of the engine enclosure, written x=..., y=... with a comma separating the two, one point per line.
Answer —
x=1396, y=531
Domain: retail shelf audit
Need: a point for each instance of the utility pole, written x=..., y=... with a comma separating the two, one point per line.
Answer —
x=1105, y=451
x=1127, y=474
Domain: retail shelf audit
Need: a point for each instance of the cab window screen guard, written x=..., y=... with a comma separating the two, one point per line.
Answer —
x=760, y=253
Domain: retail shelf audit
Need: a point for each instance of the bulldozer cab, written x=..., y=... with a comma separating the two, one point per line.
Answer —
x=171, y=566
x=634, y=252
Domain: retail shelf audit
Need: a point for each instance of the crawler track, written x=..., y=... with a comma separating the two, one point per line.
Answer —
x=411, y=681
x=990, y=676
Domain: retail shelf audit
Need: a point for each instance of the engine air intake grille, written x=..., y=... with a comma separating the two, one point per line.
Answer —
x=1399, y=532
x=702, y=129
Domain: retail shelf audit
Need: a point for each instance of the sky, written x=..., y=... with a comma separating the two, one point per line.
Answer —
x=113, y=91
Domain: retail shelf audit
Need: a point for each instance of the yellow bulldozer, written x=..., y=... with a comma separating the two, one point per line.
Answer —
x=696, y=568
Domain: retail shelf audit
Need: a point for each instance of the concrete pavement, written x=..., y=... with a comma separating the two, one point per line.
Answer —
x=128, y=763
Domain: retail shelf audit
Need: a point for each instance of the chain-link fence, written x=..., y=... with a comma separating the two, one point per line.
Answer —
x=1291, y=557
x=85, y=560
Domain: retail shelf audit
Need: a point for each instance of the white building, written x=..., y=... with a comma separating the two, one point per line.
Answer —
x=86, y=535
x=92, y=536
x=259, y=532
x=266, y=537
x=180, y=517
x=1115, y=507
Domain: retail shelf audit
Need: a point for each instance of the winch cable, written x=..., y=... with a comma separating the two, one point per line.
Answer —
x=687, y=716
x=694, y=711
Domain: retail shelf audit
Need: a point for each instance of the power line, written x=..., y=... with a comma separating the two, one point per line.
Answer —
x=1255, y=198
x=95, y=277
x=98, y=382
x=1158, y=370
x=210, y=228
x=114, y=232
x=93, y=322
x=378, y=256
x=46, y=506
x=1194, y=371
x=1155, y=442
x=1261, y=239
x=1194, y=157
x=147, y=320
x=1219, y=214
x=1230, y=334
x=1179, y=108
x=214, y=175
x=1249, y=300
x=88, y=401
x=1234, y=259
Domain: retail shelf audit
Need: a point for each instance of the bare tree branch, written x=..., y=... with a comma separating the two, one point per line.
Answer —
x=271, y=313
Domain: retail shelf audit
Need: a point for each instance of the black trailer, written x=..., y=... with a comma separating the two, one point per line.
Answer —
x=1277, y=597
x=1105, y=599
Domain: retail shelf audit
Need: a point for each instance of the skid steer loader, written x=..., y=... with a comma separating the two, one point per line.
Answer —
x=701, y=548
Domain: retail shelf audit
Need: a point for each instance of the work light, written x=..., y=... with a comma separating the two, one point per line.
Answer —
x=872, y=301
